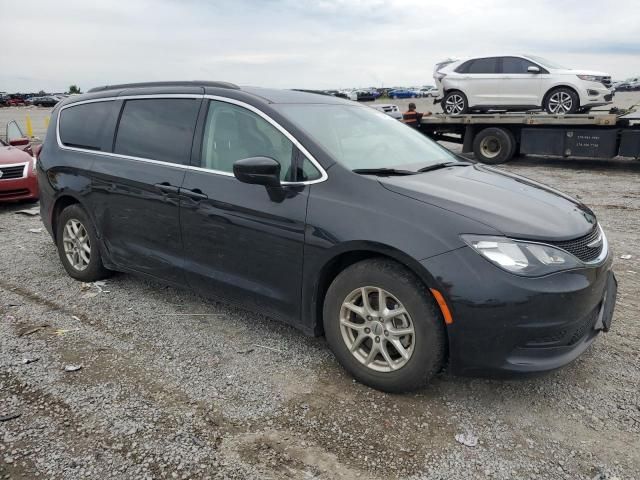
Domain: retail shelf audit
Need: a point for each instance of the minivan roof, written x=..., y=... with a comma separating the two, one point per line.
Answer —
x=265, y=95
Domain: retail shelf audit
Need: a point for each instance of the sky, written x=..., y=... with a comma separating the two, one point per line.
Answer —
x=315, y=44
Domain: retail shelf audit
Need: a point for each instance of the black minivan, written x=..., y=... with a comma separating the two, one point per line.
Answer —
x=331, y=216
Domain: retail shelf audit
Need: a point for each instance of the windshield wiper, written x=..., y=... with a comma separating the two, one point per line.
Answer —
x=437, y=166
x=383, y=171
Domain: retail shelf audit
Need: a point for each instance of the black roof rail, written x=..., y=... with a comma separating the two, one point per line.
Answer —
x=189, y=83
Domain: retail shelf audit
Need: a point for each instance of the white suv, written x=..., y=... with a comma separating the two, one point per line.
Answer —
x=518, y=82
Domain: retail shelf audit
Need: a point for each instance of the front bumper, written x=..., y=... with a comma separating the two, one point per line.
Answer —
x=25, y=188
x=504, y=324
x=594, y=94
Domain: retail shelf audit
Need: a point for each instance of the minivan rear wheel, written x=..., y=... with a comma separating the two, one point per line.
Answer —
x=77, y=243
x=383, y=326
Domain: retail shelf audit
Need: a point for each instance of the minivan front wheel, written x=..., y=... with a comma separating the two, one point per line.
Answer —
x=77, y=243
x=383, y=326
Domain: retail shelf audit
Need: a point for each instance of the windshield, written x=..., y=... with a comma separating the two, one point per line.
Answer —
x=360, y=137
x=546, y=63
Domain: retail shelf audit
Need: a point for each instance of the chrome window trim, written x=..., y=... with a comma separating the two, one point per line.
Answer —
x=25, y=170
x=257, y=111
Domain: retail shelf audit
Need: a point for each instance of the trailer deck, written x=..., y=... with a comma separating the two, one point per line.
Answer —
x=496, y=138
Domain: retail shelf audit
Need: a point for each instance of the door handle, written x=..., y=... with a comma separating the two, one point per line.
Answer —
x=166, y=187
x=195, y=194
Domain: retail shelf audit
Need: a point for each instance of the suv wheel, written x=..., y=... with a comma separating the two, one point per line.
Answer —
x=561, y=101
x=455, y=103
x=383, y=326
x=78, y=245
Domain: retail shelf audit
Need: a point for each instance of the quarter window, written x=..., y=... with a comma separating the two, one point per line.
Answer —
x=84, y=126
x=157, y=129
x=232, y=133
x=483, y=65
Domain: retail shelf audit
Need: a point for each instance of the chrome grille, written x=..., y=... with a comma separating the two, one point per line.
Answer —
x=580, y=246
x=9, y=173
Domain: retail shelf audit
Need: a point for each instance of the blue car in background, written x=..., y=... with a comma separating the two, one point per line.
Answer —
x=402, y=93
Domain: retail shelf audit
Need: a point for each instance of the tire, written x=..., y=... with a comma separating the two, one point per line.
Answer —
x=394, y=97
x=561, y=101
x=76, y=218
x=494, y=145
x=455, y=103
x=425, y=347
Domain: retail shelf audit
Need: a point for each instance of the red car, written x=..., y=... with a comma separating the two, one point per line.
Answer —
x=18, y=179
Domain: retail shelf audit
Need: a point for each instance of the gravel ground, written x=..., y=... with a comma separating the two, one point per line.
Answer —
x=164, y=393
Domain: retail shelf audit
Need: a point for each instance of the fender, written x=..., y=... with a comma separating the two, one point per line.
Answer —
x=321, y=267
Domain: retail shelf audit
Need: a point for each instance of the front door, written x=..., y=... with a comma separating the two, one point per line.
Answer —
x=241, y=243
x=520, y=87
x=135, y=190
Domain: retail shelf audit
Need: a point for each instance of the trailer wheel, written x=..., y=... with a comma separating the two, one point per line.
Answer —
x=494, y=145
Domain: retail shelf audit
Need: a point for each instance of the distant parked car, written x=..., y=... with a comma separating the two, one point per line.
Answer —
x=519, y=82
x=402, y=93
x=47, y=101
x=15, y=101
x=622, y=87
x=18, y=179
x=429, y=92
x=390, y=109
x=362, y=96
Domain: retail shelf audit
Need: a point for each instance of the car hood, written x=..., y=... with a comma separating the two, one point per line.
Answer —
x=513, y=205
x=570, y=71
x=9, y=155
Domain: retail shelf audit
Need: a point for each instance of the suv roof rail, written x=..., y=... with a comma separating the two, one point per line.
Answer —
x=189, y=83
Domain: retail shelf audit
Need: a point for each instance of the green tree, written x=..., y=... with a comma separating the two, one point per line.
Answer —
x=74, y=89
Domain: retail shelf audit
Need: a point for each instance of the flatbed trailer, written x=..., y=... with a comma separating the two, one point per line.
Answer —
x=496, y=138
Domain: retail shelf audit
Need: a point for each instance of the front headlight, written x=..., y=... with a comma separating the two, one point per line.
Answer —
x=590, y=78
x=522, y=258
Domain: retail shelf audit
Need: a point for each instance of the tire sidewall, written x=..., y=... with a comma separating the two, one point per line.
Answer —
x=507, y=141
x=429, y=349
x=464, y=98
x=574, y=98
x=95, y=270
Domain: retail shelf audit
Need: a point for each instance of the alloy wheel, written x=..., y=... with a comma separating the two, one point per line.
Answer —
x=77, y=246
x=560, y=103
x=454, y=104
x=377, y=329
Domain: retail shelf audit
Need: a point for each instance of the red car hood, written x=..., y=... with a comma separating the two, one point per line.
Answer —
x=9, y=155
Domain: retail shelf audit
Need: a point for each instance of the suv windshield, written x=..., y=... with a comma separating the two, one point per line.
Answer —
x=545, y=63
x=363, y=138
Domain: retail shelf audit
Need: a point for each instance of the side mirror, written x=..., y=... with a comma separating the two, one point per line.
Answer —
x=19, y=142
x=533, y=69
x=258, y=171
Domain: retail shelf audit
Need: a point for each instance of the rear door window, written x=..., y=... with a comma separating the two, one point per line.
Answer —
x=483, y=65
x=157, y=129
x=84, y=126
